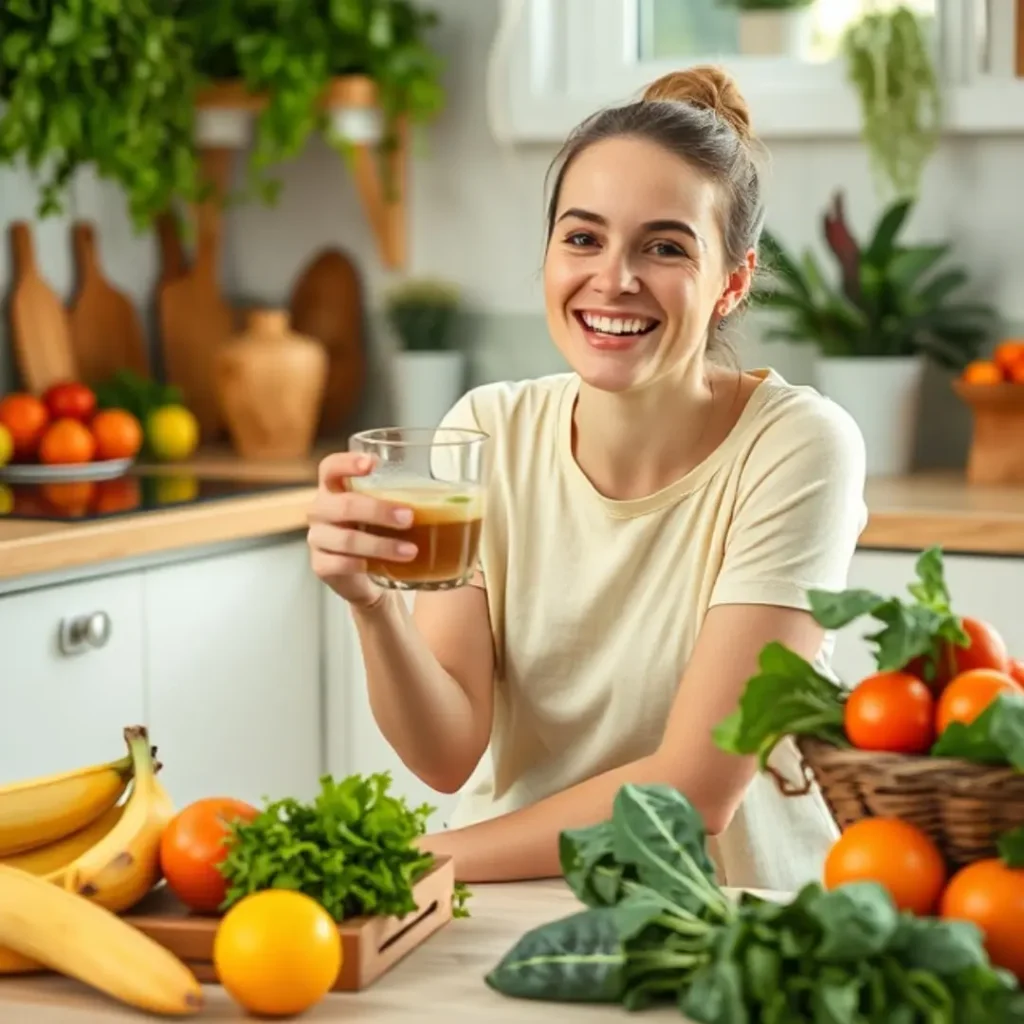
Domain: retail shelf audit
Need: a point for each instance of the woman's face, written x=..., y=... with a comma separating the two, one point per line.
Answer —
x=635, y=270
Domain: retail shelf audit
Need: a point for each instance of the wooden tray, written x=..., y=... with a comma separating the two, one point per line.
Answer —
x=370, y=945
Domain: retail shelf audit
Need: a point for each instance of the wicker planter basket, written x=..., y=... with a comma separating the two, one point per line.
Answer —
x=964, y=807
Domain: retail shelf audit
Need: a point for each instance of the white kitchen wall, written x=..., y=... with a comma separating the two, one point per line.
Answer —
x=477, y=213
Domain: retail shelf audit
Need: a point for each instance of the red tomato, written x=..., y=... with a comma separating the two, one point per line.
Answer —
x=26, y=418
x=893, y=712
x=991, y=895
x=192, y=846
x=1017, y=671
x=969, y=694
x=985, y=650
x=70, y=400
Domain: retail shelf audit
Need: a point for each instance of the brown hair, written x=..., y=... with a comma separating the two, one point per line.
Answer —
x=700, y=115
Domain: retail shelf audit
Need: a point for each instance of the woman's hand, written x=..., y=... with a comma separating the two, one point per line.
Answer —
x=339, y=546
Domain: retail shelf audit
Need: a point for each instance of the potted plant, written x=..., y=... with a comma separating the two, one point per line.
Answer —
x=429, y=365
x=889, y=63
x=774, y=28
x=893, y=306
x=108, y=86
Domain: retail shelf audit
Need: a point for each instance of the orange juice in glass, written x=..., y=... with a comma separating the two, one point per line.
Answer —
x=437, y=473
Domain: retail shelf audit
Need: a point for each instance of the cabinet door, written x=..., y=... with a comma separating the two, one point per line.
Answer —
x=233, y=674
x=982, y=587
x=60, y=711
x=355, y=744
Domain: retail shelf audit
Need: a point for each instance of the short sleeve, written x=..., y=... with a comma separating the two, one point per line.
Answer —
x=800, y=509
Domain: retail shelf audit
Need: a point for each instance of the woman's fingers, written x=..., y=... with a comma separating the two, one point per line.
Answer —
x=352, y=543
x=352, y=507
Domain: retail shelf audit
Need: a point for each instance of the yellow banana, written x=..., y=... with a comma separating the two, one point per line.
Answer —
x=51, y=861
x=124, y=865
x=82, y=940
x=15, y=963
x=43, y=810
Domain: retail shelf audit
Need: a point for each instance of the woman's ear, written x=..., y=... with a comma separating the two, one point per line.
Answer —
x=737, y=285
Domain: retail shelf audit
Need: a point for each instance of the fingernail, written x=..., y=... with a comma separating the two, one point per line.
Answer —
x=407, y=550
x=364, y=462
x=402, y=516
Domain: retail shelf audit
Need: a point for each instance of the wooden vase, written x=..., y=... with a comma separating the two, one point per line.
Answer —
x=271, y=382
x=997, y=443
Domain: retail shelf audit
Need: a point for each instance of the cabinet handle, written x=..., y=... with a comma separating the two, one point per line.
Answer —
x=79, y=634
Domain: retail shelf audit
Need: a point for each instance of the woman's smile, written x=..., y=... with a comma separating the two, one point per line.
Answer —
x=614, y=331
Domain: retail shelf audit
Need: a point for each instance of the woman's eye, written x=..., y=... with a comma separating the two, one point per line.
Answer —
x=667, y=249
x=580, y=238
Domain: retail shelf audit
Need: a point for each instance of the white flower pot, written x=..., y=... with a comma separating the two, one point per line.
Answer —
x=427, y=385
x=358, y=125
x=787, y=33
x=223, y=127
x=883, y=397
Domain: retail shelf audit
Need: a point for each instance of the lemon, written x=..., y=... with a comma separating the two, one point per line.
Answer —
x=6, y=500
x=175, y=490
x=6, y=445
x=172, y=432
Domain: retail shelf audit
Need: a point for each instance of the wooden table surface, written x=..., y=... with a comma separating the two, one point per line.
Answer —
x=441, y=982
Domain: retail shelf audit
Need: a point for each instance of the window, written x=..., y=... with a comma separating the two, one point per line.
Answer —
x=556, y=61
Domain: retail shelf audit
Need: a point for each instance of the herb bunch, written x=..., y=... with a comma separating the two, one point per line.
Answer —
x=657, y=928
x=352, y=849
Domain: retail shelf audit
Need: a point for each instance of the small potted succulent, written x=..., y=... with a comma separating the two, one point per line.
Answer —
x=429, y=366
x=893, y=306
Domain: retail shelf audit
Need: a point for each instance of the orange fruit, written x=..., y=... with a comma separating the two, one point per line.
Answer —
x=277, y=952
x=1008, y=355
x=66, y=441
x=25, y=418
x=893, y=853
x=991, y=895
x=69, y=497
x=982, y=371
x=892, y=712
x=118, y=434
x=123, y=494
x=969, y=694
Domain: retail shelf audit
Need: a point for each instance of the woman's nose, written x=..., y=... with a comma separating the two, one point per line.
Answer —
x=616, y=275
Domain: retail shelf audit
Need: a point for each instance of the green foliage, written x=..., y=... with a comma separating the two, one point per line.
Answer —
x=112, y=84
x=890, y=65
x=106, y=83
x=424, y=315
x=892, y=299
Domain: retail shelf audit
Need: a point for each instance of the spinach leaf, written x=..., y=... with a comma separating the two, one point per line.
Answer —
x=995, y=737
x=788, y=697
x=1011, y=847
x=657, y=829
x=944, y=948
x=857, y=920
x=715, y=996
x=580, y=958
x=587, y=857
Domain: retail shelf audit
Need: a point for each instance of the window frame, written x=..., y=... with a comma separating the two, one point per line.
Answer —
x=554, y=62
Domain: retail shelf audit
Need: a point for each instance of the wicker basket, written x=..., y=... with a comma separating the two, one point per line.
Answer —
x=964, y=807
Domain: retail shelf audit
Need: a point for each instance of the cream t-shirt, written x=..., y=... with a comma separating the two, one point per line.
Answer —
x=595, y=604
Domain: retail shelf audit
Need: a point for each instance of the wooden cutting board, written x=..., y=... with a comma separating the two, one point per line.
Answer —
x=172, y=252
x=370, y=945
x=327, y=304
x=194, y=317
x=39, y=321
x=106, y=330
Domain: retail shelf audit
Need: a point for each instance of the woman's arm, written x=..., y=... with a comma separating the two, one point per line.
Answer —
x=524, y=843
x=430, y=677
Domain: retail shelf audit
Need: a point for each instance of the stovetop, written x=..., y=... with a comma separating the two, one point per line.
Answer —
x=84, y=501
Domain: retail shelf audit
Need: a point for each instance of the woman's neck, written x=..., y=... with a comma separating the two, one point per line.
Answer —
x=634, y=443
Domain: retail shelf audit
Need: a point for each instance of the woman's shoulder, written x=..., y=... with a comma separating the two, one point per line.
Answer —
x=501, y=407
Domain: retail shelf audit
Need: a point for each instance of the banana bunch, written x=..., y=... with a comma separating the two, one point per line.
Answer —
x=80, y=859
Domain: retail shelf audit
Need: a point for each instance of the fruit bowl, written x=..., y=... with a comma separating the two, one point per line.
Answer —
x=39, y=473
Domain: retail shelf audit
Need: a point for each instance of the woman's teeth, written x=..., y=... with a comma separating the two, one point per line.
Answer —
x=617, y=325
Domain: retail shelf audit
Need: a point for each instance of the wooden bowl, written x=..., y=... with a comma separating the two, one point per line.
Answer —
x=997, y=444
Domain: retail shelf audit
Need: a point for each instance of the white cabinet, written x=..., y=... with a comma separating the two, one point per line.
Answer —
x=232, y=664
x=60, y=711
x=355, y=744
x=986, y=588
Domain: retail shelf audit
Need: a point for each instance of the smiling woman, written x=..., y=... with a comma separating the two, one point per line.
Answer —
x=654, y=518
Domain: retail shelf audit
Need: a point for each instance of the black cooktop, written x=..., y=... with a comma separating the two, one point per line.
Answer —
x=86, y=500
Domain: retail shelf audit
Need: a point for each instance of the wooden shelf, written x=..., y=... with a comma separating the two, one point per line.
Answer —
x=1020, y=38
x=382, y=183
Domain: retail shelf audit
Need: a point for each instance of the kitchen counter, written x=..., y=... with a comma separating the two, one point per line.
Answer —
x=441, y=981
x=908, y=513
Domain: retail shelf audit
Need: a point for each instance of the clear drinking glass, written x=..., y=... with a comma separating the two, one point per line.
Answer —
x=438, y=473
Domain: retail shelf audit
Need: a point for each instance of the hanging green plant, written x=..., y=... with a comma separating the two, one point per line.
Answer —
x=889, y=62
x=99, y=83
x=289, y=51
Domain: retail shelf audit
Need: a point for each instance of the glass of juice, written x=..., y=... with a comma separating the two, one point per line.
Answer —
x=438, y=473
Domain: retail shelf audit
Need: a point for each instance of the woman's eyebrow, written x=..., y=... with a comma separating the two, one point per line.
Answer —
x=662, y=224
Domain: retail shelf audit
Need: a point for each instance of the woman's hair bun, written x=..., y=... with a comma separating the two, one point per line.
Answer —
x=707, y=86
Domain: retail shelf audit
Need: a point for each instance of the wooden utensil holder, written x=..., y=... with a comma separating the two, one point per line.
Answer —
x=997, y=443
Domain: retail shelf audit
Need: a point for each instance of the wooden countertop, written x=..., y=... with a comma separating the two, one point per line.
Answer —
x=441, y=981
x=904, y=514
